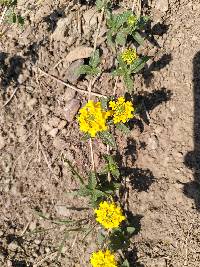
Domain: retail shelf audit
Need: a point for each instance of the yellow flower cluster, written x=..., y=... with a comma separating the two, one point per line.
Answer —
x=103, y=259
x=109, y=215
x=129, y=56
x=122, y=110
x=92, y=118
x=132, y=20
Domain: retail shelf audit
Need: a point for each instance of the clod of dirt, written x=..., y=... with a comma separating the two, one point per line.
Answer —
x=53, y=132
x=79, y=52
x=61, y=29
x=59, y=143
x=2, y=142
x=72, y=74
x=71, y=109
x=90, y=16
x=69, y=94
x=62, y=211
x=162, y=5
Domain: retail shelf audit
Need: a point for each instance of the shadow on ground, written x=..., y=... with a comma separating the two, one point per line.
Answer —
x=192, y=158
x=10, y=69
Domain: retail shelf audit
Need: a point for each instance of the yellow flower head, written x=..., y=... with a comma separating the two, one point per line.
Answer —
x=122, y=110
x=109, y=215
x=103, y=259
x=92, y=118
x=129, y=56
x=132, y=20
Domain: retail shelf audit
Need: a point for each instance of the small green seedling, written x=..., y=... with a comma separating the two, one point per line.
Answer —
x=123, y=25
x=92, y=68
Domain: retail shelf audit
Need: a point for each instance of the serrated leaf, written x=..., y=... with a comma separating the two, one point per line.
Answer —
x=95, y=71
x=108, y=138
x=120, y=19
x=100, y=4
x=84, y=191
x=130, y=230
x=128, y=82
x=125, y=264
x=117, y=72
x=84, y=69
x=95, y=59
x=138, y=38
x=121, y=38
x=123, y=128
x=112, y=166
x=139, y=64
x=92, y=180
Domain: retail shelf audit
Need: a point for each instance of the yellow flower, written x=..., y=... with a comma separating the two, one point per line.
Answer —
x=109, y=215
x=122, y=110
x=129, y=56
x=92, y=118
x=103, y=259
x=132, y=20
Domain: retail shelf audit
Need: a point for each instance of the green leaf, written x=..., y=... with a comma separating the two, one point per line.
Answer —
x=139, y=64
x=117, y=72
x=125, y=264
x=84, y=69
x=110, y=40
x=130, y=230
x=74, y=172
x=142, y=21
x=104, y=102
x=121, y=38
x=84, y=191
x=128, y=82
x=112, y=166
x=100, y=4
x=108, y=138
x=95, y=59
x=92, y=181
x=20, y=20
x=120, y=19
x=85, y=137
x=100, y=238
x=138, y=38
x=123, y=128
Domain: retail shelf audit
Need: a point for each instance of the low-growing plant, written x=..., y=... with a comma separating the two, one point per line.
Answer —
x=99, y=119
x=11, y=16
x=129, y=63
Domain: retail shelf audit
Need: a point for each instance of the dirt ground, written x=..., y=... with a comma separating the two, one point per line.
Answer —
x=160, y=158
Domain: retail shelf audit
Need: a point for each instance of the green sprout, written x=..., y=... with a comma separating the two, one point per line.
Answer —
x=92, y=68
x=123, y=25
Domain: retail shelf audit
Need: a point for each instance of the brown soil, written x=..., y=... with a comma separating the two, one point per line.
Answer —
x=160, y=159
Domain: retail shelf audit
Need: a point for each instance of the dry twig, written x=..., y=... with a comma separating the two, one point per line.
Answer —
x=69, y=85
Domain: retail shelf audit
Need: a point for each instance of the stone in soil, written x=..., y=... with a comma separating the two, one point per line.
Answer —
x=71, y=109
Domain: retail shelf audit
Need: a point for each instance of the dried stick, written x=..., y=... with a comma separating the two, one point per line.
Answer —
x=8, y=101
x=92, y=154
x=69, y=85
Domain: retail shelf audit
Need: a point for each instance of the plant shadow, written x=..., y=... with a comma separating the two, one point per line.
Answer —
x=192, y=158
x=140, y=179
x=53, y=18
x=148, y=71
x=10, y=69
